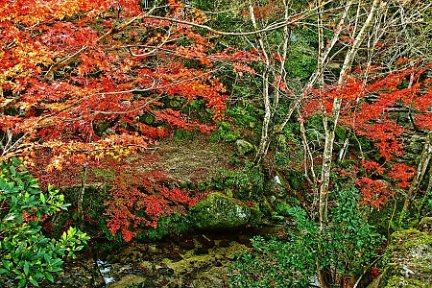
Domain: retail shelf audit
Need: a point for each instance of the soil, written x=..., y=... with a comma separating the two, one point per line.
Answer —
x=187, y=161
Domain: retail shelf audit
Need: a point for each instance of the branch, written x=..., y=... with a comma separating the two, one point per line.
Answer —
x=65, y=61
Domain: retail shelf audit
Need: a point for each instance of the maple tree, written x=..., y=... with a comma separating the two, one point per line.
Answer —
x=374, y=119
x=79, y=79
x=85, y=86
x=68, y=67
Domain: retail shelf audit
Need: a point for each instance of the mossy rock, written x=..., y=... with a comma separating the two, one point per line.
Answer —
x=244, y=147
x=220, y=212
x=425, y=224
x=408, y=261
x=129, y=281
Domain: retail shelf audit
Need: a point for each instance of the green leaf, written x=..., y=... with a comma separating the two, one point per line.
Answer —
x=42, y=198
x=33, y=281
x=49, y=277
x=22, y=283
x=26, y=268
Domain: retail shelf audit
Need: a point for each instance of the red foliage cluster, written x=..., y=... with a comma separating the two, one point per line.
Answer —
x=402, y=174
x=374, y=192
x=138, y=197
x=366, y=109
x=69, y=67
x=270, y=10
x=76, y=77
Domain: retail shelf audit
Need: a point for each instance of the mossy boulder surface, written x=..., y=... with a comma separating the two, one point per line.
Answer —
x=244, y=147
x=408, y=261
x=219, y=212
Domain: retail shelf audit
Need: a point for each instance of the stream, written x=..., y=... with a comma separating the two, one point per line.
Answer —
x=199, y=260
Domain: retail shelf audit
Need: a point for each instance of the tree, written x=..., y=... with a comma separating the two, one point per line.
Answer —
x=83, y=83
x=76, y=77
x=354, y=40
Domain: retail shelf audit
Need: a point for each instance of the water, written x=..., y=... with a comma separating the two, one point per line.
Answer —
x=105, y=270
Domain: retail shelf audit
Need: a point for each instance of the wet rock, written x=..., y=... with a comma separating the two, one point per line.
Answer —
x=243, y=239
x=165, y=271
x=407, y=261
x=224, y=243
x=78, y=274
x=219, y=212
x=153, y=249
x=187, y=244
x=205, y=241
x=175, y=255
x=201, y=250
x=194, y=268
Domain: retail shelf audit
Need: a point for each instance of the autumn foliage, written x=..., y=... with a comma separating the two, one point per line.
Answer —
x=368, y=106
x=77, y=78
x=70, y=67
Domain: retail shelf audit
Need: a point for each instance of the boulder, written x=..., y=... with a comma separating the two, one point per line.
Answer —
x=425, y=224
x=219, y=212
x=129, y=281
x=408, y=261
x=244, y=147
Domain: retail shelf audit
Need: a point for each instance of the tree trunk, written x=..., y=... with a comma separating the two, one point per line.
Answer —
x=265, y=134
x=329, y=131
x=330, y=124
x=81, y=195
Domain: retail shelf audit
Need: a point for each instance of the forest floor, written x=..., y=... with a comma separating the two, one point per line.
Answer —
x=186, y=161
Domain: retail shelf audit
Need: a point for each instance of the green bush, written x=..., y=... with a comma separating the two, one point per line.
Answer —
x=28, y=256
x=345, y=248
x=226, y=132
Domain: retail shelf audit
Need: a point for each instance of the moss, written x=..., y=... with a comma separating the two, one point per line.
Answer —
x=219, y=211
x=128, y=281
x=397, y=281
x=408, y=260
x=425, y=224
x=282, y=207
x=203, y=266
x=265, y=207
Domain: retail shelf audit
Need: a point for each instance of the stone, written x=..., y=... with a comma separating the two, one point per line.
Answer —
x=244, y=147
x=205, y=241
x=128, y=281
x=407, y=261
x=425, y=224
x=219, y=212
x=213, y=278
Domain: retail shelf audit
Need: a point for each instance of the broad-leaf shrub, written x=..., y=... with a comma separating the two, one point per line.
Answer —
x=27, y=255
x=345, y=249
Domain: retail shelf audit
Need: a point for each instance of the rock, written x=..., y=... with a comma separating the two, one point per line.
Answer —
x=219, y=212
x=224, y=243
x=205, y=241
x=128, y=281
x=153, y=249
x=215, y=277
x=187, y=244
x=202, y=250
x=76, y=274
x=243, y=239
x=244, y=147
x=425, y=224
x=407, y=260
x=194, y=269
